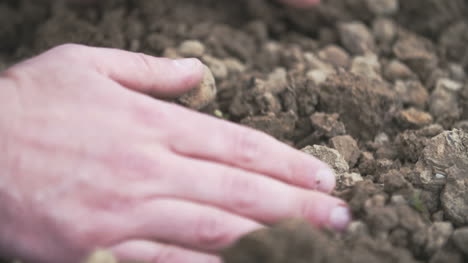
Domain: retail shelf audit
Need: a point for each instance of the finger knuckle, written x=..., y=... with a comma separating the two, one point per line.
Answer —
x=240, y=192
x=247, y=146
x=210, y=230
x=68, y=50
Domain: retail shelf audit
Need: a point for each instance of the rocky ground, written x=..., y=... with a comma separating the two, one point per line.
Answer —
x=376, y=88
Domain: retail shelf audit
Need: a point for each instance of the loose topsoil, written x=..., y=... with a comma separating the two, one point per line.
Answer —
x=376, y=88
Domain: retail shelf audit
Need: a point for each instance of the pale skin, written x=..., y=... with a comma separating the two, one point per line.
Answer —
x=89, y=160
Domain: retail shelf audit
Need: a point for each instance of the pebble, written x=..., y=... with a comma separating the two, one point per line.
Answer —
x=234, y=66
x=348, y=180
x=444, y=100
x=412, y=93
x=191, y=48
x=367, y=66
x=277, y=81
x=414, y=118
x=383, y=7
x=385, y=30
x=347, y=147
x=356, y=38
x=335, y=55
x=330, y=156
x=397, y=70
x=217, y=67
x=446, y=154
x=202, y=95
x=327, y=124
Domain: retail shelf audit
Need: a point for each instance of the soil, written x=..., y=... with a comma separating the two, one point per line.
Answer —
x=376, y=88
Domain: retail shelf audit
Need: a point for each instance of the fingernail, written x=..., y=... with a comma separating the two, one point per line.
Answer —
x=186, y=63
x=340, y=217
x=325, y=180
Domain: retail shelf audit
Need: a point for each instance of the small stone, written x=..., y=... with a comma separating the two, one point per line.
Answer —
x=101, y=256
x=385, y=30
x=328, y=124
x=367, y=66
x=335, y=55
x=457, y=72
x=347, y=147
x=414, y=118
x=398, y=200
x=356, y=38
x=234, y=65
x=418, y=53
x=445, y=154
x=217, y=67
x=438, y=235
x=383, y=7
x=203, y=94
x=381, y=139
x=444, y=101
x=277, y=81
x=348, y=180
x=191, y=48
x=412, y=93
x=396, y=70
x=460, y=238
x=313, y=63
x=171, y=53
x=330, y=156
x=357, y=228
x=318, y=76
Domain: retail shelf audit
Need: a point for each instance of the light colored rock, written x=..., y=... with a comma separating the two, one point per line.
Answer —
x=414, y=118
x=446, y=154
x=398, y=200
x=437, y=235
x=444, y=100
x=347, y=147
x=202, y=95
x=412, y=93
x=171, y=53
x=334, y=55
x=349, y=179
x=234, y=65
x=383, y=7
x=277, y=81
x=318, y=76
x=217, y=67
x=385, y=30
x=356, y=38
x=331, y=157
x=191, y=48
x=396, y=70
x=367, y=66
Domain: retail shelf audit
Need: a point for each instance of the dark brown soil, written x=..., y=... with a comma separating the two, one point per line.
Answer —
x=383, y=84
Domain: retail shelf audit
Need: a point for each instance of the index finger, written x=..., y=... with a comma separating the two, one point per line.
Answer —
x=220, y=141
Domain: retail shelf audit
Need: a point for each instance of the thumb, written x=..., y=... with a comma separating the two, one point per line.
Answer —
x=160, y=77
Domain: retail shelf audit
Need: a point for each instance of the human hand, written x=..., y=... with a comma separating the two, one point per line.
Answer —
x=90, y=161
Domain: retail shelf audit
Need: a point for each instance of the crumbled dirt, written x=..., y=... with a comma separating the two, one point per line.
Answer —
x=376, y=87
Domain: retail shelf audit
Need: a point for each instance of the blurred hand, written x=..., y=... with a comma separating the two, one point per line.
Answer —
x=90, y=161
